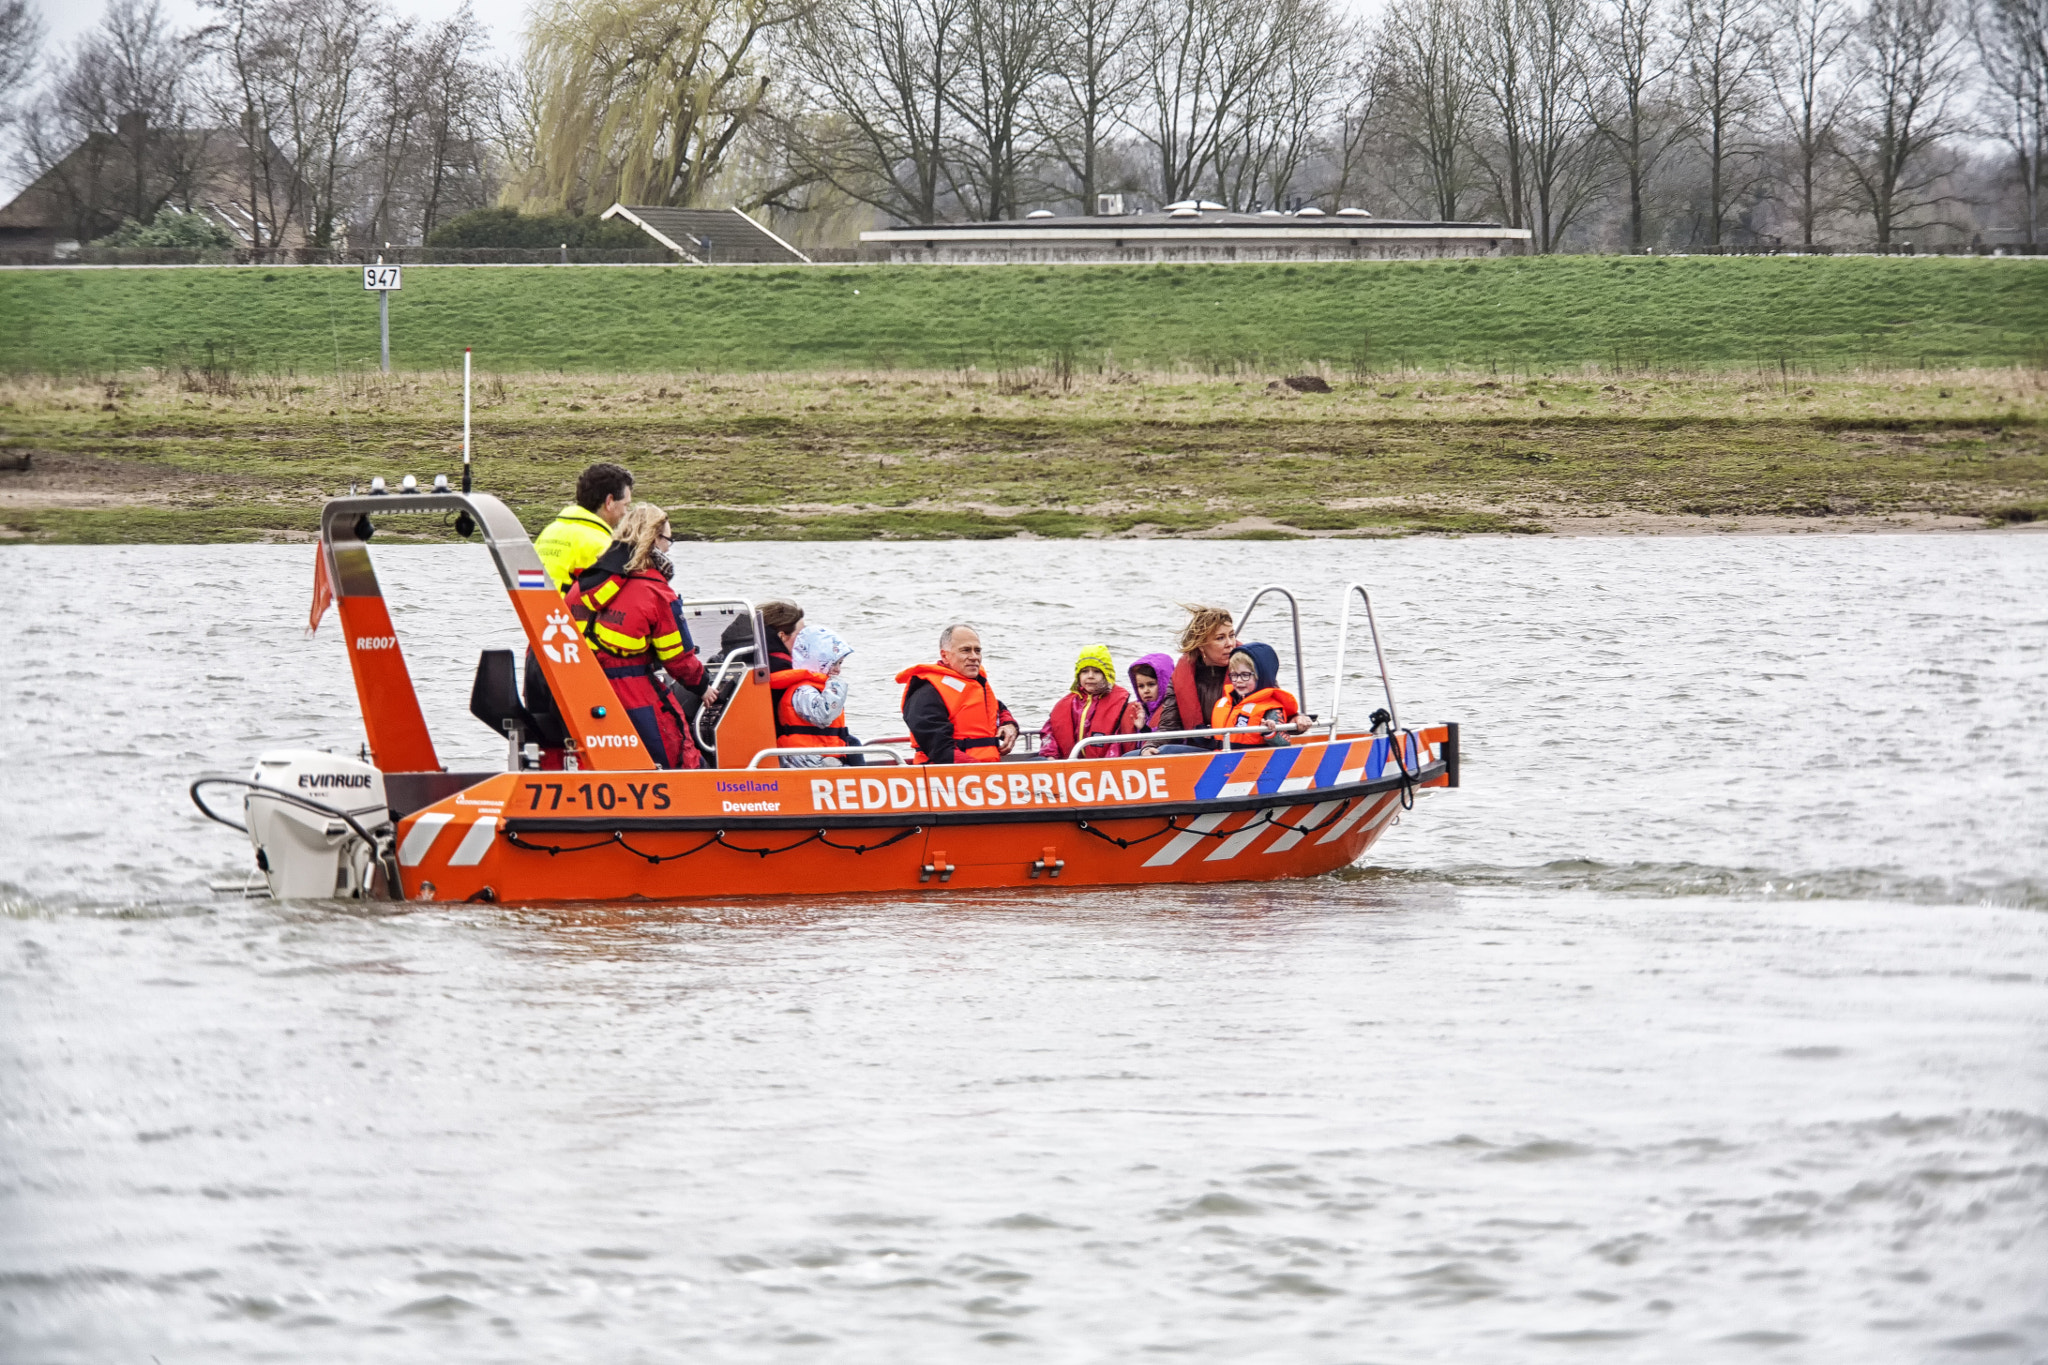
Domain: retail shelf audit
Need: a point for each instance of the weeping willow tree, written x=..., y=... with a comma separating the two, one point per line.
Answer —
x=639, y=100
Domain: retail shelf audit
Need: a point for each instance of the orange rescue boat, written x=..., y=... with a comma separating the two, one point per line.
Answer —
x=399, y=826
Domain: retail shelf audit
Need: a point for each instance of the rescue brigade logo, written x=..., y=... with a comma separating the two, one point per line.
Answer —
x=560, y=622
x=977, y=790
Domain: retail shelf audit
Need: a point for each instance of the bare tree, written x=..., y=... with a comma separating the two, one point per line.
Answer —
x=1268, y=134
x=1635, y=60
x=1205, y=61
x=1090, y=86
x=1563, y=144
x=109, y=138
x=1503, y=78
x=21, y=41
x=296, y=73
x=642, y=99
x=1432, y=90
x=1723, y=60
x=393, y=131
x=1004, y=49
x=1906, y=74
x=460, y=89
x=1366, y=80
x=1802, y=58
x=1541, y=150
x=880, y=69
x=248, y=96
x=2012, y=41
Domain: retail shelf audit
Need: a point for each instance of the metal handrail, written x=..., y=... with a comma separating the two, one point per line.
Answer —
x=1343, y=638
x=1149, y=736
x=760, y=664
x=894, y=756
x=760, y=628
x=1300, y=676
x=717, y=684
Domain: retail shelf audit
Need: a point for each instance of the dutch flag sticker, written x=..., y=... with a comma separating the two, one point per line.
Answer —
x=533, y=578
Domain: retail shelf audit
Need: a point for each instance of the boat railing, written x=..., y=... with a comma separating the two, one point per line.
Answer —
x=760, y=660
x=1343, y=638
x=1154, y=736
x=699, y=606
x=881, y=749
x=733, y=662
x=1294, y=609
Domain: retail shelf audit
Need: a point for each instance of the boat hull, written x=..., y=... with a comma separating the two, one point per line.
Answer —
x=1248, y=815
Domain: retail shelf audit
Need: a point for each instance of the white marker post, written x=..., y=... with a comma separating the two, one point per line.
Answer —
x=385, y=279
x=465, y=419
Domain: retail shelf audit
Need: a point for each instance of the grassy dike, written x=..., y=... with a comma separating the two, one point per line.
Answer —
x=1045, y=451
x=1508, y=317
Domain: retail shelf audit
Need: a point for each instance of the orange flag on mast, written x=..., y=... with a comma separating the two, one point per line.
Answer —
x=323, y=591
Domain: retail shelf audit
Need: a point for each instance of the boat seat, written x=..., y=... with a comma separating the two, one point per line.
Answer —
x=494, y=697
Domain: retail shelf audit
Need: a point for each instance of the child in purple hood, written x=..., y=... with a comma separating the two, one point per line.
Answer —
x=1150, y=677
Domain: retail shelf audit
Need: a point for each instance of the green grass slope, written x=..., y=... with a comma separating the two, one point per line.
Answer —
x=1512, y=313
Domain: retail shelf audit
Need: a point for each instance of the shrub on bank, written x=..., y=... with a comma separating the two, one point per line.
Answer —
x=170, y=230
x=502, y=227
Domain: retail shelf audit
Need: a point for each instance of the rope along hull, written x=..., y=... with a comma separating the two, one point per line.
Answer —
x=1256, y=815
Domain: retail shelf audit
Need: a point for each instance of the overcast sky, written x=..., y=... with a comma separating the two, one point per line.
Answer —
x=504, y=18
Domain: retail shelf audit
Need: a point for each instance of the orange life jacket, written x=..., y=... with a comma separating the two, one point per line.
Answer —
x=1250, y=714
x=793, y=730
x=970, y=705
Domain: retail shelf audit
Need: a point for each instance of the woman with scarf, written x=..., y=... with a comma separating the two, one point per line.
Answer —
x=634, y=622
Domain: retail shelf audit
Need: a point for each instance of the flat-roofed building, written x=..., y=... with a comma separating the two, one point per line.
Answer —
x=1193, y=234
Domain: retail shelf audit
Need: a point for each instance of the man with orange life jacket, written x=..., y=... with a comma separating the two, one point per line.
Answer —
x=951, y=707
x=634, y=622
x=810, y=701
x=1255, y=702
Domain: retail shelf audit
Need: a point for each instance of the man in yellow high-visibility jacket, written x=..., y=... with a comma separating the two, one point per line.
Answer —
x=568, y=545
x=579, y=533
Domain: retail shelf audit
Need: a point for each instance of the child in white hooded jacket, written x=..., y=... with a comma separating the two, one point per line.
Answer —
x=819, y=651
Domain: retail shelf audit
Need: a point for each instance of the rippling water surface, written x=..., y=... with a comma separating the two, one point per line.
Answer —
x=1705, y=1022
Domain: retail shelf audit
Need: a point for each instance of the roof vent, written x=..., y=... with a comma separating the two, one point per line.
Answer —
x=1310, y=212
x=1181, y=204
x=1185, y=211
x=1271, y=213
x=1353, y=213
x=1211, y=206
x=1040, y=213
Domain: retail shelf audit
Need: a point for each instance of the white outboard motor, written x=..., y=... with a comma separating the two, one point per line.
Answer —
x=307, y=850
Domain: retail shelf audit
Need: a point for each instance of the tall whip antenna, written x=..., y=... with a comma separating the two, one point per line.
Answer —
x=465, y=419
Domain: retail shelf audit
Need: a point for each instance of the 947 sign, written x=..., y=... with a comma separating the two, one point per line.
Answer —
x=382, y=277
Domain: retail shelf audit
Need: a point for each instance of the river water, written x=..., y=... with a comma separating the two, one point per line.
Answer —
x=1707, y=1021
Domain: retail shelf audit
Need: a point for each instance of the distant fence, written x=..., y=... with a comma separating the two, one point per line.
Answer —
x=830, y=255
x=1858, y=249
x=405, y=255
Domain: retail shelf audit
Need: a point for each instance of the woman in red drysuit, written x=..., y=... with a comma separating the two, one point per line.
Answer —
x=634, y=621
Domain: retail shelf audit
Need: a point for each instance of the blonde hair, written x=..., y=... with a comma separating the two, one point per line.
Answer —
x=639, y=526
x=1202, y=623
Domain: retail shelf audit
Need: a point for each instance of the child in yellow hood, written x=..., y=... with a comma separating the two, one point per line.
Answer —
x=1094, y=705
